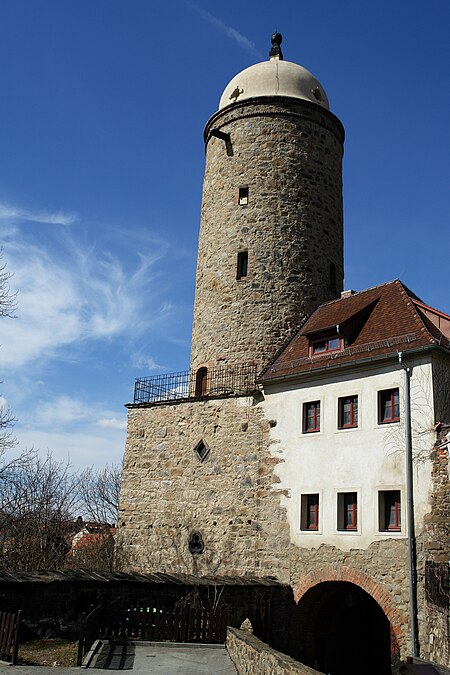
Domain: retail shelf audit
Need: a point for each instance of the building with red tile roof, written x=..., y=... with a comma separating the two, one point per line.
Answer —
x=372, y=324
x=318, y=455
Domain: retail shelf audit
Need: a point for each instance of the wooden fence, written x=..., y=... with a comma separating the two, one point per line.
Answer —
x=90, y=630
x=182, y=624
x=9, y=635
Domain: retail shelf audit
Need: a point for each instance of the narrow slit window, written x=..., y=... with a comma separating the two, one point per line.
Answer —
x=243, y=196
x=332, y=278
x=242, y=264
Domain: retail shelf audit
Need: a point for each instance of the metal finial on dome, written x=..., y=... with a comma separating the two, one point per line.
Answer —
x=277, y=39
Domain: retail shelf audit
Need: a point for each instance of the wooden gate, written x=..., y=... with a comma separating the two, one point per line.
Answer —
x=9, y=635
x=183, y=624
x=179, y=624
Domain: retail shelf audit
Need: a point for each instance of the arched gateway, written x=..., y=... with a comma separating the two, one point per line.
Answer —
x=348, y=623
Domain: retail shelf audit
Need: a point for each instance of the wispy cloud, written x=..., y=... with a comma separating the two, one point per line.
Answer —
x=230, y=32
x=70, y=294
x=147, y=362
x=80, y=448
x=63, y=410
x=87, y=300
x=60, y=411
x=14, y=213
x=74, y=429
x=112, y=423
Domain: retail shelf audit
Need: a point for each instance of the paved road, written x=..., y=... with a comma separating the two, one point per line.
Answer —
x=183, y=660
x=158, y=658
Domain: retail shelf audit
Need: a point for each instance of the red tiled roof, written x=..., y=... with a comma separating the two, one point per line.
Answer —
x=380, y=320
x=93, y=539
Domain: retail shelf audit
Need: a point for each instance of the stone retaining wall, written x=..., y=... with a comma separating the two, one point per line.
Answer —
x=253, y=657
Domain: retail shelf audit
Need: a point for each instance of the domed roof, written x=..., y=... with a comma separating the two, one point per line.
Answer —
x=275, y=78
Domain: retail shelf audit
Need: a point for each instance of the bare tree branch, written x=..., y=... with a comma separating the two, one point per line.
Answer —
x=8, y=300
x=99, y=491
x=37, y=505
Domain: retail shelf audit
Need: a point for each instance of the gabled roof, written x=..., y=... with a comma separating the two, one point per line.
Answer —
x=379, y=321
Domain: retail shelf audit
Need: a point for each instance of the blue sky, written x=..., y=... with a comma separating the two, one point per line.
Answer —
x=103, y=104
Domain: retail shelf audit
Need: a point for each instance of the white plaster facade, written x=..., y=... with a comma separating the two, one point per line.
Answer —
x=366, y=459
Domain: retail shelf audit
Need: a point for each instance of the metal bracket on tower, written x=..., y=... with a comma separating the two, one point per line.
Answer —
x=224, y=137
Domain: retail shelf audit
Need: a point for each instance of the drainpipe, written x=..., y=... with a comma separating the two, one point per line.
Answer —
x=410, y=509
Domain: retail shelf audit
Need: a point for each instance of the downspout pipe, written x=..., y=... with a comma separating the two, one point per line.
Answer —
x=412, y=573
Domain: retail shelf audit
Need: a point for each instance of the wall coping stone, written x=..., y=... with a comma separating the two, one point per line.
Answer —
x=251, y=656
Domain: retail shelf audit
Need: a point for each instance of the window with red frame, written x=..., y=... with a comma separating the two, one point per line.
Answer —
x=310, y=512
x=390, y=512
x=388, y=406
x=329, y=344
x=347, y=511
x=311, y=417
x=348, y=412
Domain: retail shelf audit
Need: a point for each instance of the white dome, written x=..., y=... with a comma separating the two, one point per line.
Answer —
x=274, y=78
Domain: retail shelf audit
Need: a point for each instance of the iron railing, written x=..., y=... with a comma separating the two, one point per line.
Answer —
x=219, y=381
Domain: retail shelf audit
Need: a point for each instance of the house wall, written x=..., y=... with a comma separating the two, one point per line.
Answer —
x=244, y=497
x=364, y=460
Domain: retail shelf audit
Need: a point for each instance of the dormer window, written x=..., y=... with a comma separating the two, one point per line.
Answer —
x=329, y=344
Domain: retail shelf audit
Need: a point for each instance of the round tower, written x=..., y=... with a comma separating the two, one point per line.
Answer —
x=271, y=236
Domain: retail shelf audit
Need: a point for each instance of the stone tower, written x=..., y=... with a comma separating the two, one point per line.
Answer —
x=271, y=235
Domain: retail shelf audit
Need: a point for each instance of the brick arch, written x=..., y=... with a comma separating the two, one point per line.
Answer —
x=368, y=584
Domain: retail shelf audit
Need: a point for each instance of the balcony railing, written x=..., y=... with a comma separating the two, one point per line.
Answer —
x=220, y=381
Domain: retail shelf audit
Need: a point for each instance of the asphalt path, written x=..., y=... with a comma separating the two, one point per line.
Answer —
x=147, y=658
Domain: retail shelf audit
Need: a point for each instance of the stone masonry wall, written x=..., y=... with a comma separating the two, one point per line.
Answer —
x=253, y=657
x=289, y=155
x=229, y=498
x=437, y=554
x=232, y=499
x=380, y=570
